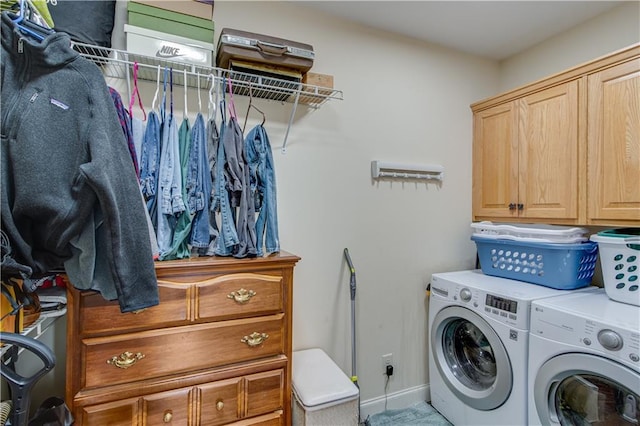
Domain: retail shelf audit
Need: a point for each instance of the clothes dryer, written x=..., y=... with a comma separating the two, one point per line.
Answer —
x=584, y=361
x=479, y=332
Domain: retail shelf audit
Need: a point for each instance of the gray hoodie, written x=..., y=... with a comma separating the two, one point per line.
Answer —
x=69, y=190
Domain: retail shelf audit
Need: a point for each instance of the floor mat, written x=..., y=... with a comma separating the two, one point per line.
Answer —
x=418, y=414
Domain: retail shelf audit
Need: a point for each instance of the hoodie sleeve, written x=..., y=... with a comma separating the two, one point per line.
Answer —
x=111, y=174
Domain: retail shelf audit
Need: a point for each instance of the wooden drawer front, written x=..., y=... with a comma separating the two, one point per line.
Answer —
x=239, y=295
x=167, y=408
x=264, y=392
x=119, y=413
x=98, y=316
x=220, y=402
x=147, y=354
x=271, y=419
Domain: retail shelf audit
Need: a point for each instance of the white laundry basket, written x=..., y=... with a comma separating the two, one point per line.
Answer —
x=322, y=393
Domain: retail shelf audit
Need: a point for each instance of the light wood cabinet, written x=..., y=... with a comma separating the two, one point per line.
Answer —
x=215, y=351
x=562, y=150
x=526, y=157
x=614, y=144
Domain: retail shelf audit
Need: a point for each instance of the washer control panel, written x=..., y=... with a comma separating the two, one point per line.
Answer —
x=613, y=342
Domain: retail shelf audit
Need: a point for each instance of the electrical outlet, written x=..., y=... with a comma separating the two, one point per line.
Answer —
x=387, y=359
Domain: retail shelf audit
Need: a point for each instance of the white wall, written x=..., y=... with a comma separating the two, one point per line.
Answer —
x=606, y=33
x=404, y=101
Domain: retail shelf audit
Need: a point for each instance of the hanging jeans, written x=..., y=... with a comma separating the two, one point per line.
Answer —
x=213, y=141
x=150, y=165
x=180, y=242
x=228, y=238
x=199, y=184
x=263, y=188
x=237, y=175
x=169, y=186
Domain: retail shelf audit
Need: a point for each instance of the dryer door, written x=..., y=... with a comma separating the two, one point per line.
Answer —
x=471, y=358
x=583, y=389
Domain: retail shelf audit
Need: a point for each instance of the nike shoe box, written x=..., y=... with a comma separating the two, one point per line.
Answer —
x=168, y=47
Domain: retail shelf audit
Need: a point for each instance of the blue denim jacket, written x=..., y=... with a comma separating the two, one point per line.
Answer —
x=262, y=181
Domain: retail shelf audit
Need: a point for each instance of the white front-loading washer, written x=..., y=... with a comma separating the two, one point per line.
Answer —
x=584, y=361
x=479, y=328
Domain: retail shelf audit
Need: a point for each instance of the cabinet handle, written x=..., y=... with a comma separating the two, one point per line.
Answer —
x=168, y=416
x=520, y=206
x=512, y=206
x=241, y=296
x=219, y=405
x=125, y=359
x=254, y=339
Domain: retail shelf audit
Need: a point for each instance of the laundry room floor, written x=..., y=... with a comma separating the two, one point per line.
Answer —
x=418, y=414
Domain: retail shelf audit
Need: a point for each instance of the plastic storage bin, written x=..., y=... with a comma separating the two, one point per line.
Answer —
x=530, y=232
x=322, y=393
x=557, y=265
x=620, y=261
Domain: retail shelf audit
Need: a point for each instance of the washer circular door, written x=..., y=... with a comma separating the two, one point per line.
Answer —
x=578, y=388
x=471, y=358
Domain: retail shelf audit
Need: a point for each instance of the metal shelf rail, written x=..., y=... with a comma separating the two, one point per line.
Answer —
x=119, y=64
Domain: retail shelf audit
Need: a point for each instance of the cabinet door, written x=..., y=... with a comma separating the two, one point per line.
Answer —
x=495, y=162
x=549, y=143
x=265, y=392
x=614, y=144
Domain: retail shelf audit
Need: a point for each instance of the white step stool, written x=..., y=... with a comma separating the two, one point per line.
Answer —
x=322, y=393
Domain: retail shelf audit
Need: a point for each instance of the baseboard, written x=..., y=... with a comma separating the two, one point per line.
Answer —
x=395, y=400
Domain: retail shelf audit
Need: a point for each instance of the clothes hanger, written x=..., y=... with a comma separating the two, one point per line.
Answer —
x=32, y=29
x=212, y=104
x=186, y=114
x=135, y=93
x=155, y=95
x=199, y=97
x=251, y=105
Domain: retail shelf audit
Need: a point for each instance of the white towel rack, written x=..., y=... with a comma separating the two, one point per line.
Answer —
x=384, y=169
x=119, y=64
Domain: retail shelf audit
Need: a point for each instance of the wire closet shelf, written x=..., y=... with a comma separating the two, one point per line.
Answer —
x=119, y=64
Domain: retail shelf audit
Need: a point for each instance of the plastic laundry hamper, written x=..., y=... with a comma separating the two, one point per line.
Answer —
x=322, y=393
x=620, y=261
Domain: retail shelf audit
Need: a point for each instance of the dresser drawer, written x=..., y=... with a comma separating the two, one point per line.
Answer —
x=148, y=354
x=239, y=295
x=264, y=392
x=221, y=402
x=99, y=316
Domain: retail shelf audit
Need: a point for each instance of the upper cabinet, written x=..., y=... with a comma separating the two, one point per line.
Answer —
x=562, y=150
x=526, y=157
x=614, y=144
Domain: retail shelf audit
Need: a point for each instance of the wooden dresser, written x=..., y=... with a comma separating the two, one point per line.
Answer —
x=215, y=351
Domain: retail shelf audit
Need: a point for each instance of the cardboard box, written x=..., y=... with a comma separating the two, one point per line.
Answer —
x=199, y=9
x=315, y=79
x=171, y=22
x=168, y=46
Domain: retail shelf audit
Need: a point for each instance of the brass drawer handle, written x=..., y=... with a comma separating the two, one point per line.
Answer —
x=254, y=339
x=219, y=405
x=125, y=359
x=168, y=416
x=241, y=296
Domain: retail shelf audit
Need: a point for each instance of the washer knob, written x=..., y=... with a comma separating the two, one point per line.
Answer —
x=609, y=339
x=465, y=294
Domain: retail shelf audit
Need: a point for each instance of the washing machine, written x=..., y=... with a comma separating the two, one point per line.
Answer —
x=479, y=328
x=584, y=361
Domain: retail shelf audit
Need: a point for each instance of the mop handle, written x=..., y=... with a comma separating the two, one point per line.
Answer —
x=352, y=281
